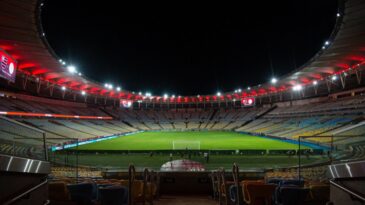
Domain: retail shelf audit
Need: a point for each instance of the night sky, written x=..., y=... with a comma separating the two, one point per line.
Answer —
x=187, y=49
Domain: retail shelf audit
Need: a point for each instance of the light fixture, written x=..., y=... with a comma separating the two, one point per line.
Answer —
x=148, y=94
x=274, y=80
x=248, y=88
x=139, y=93
x=83, y=92
x=71, y=69
x=219, y=94
x=63, y=88
x=106, y=85
x=239, y=90
x=297, y=88
x=338, y=14
x=334, y=77
x=165, y=96
x=315, y=82
x=327, y=43
x=80, y=74
x=118, y=89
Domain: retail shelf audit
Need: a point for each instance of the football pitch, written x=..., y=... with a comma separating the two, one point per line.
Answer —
x=194, y=140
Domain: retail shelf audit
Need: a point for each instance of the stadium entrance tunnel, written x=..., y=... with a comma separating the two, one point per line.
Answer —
x=183, y=165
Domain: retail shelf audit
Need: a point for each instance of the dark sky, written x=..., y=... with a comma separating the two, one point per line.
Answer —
x=187, y=49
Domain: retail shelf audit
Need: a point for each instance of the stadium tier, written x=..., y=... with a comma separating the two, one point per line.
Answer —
x=67, y=139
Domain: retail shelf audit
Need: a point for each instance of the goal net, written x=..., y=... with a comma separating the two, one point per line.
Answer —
x=185, y=144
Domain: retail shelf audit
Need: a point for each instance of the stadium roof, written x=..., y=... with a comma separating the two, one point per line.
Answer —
x=21, y=35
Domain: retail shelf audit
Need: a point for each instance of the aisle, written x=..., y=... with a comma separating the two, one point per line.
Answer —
x=186, y=200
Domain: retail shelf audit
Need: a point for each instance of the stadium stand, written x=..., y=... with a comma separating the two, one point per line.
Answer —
x=36, y=120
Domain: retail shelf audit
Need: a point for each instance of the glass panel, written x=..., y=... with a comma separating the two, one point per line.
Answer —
x=21, y=140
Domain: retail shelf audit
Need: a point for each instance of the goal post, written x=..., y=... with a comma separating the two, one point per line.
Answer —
x=185, y=144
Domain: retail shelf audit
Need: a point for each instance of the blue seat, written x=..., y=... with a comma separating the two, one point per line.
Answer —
x=113, y=195
x=84, y=193
x=274, y=181
x=297, y=182
x=288, y=195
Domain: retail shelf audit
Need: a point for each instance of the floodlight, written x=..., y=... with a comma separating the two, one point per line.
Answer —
x=63, y=88
x=274, y=80
x=297, y=88
x=315, y=82
x=71, y=69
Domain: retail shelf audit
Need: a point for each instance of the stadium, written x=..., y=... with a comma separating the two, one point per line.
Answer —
x=69, y=139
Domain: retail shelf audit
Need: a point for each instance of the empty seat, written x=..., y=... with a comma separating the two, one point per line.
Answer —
x=259, y=194
x=113, y=195
x=84, y=193
x=288, y=195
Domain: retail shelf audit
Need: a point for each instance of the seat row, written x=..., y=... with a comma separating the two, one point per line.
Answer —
x=278, y=191
x=106, y=191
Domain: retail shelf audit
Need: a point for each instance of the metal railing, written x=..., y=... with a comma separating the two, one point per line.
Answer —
x=348, y=190
x=20, y=196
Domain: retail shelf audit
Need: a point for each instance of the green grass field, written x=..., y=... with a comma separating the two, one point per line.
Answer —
x=121, y=161
x=209, y=140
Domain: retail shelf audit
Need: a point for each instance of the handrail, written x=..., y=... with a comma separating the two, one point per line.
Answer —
x=26, y=192
x=347, y=190
x=235, y=174
x=131, y=176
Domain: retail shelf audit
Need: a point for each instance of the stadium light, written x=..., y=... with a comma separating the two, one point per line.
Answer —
x=239, y=90
x=219, y=94
x=60, y=60
x=83, y=92
x=106, y=85
x=63, y=63
x=165, y=96
x=334, y=77
x=327, y=43
x=118, y=89
x=139, y=93
x=148, y=94
x=63, y=88
x=173, y=96
x=274, y=80
x=248, y=88
x=297, y=88
x=71, y=69
x=80, y=74
x=338, y=14
x=315, y=82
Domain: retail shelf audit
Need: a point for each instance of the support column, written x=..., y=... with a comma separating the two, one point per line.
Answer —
x=328, y=83
x=358, y=76
x=343, y=80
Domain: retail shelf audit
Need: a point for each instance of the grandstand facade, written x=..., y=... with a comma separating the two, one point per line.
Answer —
x=48, y=112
